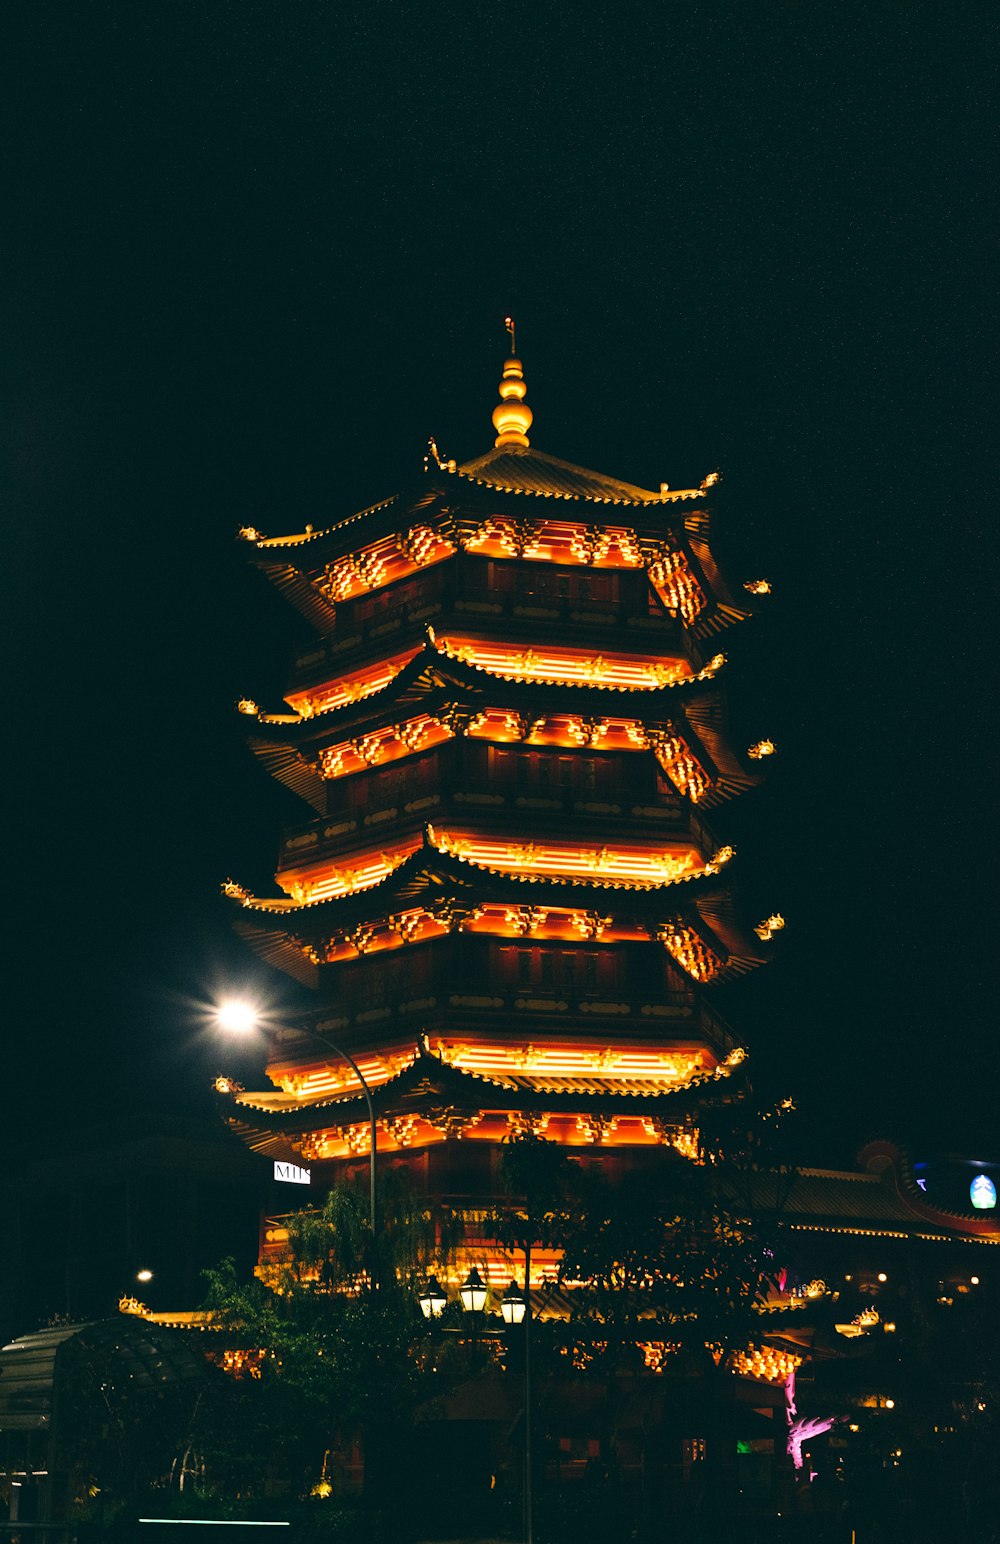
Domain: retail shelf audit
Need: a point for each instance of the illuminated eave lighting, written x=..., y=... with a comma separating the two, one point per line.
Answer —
x=585, y=1061
x=350, y=688
x=604, y=865
x=566, y=667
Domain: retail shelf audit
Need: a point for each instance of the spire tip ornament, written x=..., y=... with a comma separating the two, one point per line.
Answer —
x=512, y=416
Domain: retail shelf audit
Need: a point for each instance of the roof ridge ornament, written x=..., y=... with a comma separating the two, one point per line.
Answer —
x=512, y=416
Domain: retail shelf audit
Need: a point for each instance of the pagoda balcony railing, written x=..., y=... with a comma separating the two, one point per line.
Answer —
x=509, y=813
x=462, y=1006
x=522, y=616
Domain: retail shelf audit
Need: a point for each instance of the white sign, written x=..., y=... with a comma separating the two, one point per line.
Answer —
x=291, y=1174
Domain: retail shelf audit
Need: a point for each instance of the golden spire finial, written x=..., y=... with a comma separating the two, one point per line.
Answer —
x=512, y=416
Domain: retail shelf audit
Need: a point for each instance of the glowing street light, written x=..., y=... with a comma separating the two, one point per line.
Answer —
x=239, y=1017
x=433, y=1299
x=473, y=1292
x=144, y=1275
x=513, y=1305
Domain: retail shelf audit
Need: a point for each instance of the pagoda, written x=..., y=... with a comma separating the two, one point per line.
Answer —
x=509, y=739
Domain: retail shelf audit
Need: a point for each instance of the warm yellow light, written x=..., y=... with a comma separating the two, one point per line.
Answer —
x=766, y=1363
x=239, y=1018
x=689, y=950
x=890, y=1404
x=882, y=1276
x=974, y=1281
x=559, y=665
x=144, y=1275
x=761, y=749
x=624, y=865
x=758, y=586
x=773, y=924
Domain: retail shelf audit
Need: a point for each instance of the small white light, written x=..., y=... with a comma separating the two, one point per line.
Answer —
x=882, y=1276
x=974, y=1281
x=144, y=1275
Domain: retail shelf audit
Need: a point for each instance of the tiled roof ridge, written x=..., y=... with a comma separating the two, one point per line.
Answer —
x=617, y=490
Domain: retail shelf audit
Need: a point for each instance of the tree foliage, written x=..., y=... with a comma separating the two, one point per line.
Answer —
x=330, y=1351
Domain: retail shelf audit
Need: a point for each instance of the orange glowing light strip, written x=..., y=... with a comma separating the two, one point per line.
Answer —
x=690, y=951
x=349, y=688
x=363, y=871
x=567, y=666
x=497, y=1269
x=555, y=923
x=767, y=1364
x=384, y=562
x=676, y=586
x=662, y=1068
x=502, y=726
x=323, y=1080
x=383, y=745
x=607, y=865
x=552, y=541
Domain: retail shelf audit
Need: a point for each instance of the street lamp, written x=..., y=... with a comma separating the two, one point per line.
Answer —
x=473, y=1292
x=513, y=1305
x=433, y=1299
x=515, y=1308
x=242, y=1017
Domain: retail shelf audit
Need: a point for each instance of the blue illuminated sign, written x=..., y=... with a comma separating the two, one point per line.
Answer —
x=983, y=1193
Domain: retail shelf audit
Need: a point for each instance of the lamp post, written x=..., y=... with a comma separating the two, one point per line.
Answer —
x=515, y=1307
x=526, y=1317
x=240, y=1018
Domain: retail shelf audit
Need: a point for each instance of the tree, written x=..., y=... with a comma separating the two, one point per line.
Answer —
x=330, y=1356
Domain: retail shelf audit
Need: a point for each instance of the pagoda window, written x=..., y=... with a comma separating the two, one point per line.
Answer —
x=548, y=773
x=542, y=581
x=394, y=785
x=574, y=971
x=391, y=599
x=384, y=977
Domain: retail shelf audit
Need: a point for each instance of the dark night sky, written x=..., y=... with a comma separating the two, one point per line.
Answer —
x=253, y=254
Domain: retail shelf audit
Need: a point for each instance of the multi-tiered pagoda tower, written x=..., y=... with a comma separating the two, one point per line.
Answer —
x=509, y=739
